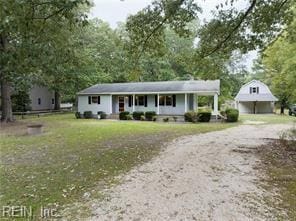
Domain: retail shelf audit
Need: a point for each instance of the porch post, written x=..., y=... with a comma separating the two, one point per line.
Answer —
x=157, y=104
x=194, y=102
x=185, y=102
x=216, y=103
x=134, y=103
x=111, y=111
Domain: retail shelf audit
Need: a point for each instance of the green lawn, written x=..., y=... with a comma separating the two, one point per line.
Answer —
x=268, y=118
x=75, y=156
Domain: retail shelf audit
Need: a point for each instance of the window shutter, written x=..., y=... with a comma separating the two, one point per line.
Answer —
x=155, y=98
x=145, y=100
x=89, y=99
x=99, y=99
x=250, y=90
x=129, y=101
x=174, y=100
x=257, y=90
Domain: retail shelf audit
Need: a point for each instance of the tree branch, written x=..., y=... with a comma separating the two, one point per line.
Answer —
x=158, y=27
x=221, y=43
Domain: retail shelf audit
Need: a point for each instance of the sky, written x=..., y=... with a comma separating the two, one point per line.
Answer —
x=114, y=11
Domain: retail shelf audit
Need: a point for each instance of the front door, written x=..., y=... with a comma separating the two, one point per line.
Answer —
x=121, y=103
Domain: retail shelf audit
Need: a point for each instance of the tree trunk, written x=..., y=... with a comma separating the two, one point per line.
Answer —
x=6, y=102
x=282, y=108
x=6, y=106
x=57, y=102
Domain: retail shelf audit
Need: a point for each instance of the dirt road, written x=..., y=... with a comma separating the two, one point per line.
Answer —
x=210, y=176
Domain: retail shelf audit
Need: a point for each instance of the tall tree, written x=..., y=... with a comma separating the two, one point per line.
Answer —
x=25, y=28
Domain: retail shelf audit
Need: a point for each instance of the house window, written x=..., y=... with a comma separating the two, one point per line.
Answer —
x=168, y=100
x=140, y=100
x=94, y=99
x=52, y=101
x=39, y=101
x=161, y=100
x=254, y=90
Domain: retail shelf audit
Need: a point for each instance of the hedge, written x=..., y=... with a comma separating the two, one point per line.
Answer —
x=77, y=115
x=204, y=116
x=149, y=115
x=231, y=115
x=102, y=114
x=87, y=114
x=190, y=116
x=123, y=115
x=137, y=115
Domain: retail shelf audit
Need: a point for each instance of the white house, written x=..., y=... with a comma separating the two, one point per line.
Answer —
x=41, y=98
x=163, y=97
x=255, y=97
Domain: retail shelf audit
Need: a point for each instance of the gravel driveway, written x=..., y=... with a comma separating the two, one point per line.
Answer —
x=210, y=176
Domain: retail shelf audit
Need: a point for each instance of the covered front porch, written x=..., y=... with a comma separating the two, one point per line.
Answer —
x=161, y=103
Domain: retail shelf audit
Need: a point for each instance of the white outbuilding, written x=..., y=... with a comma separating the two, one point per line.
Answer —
x=255, y=98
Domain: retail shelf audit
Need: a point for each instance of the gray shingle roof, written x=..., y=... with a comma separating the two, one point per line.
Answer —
x=255, y=97
x=158, y=86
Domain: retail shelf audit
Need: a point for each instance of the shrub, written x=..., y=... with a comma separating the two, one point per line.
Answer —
x=137, y=115
x=123, y=115
x=231, y=115
x=129, y=117
x=190, y=116
x=142, y=118
x=149, y=115
x=154, y=118
x=288, y=139
x=166, y=119
x=87, y=114
x=102, y=114
x=77, y=115
x=204, y=115
x=175, y=118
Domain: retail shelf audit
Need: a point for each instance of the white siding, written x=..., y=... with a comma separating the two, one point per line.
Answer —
x=165, y=110
x=263, y=89
x=45, y=97
x=94, y=108
x=261, y=106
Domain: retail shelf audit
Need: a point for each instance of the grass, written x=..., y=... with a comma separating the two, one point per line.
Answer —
x=268, y=118
x=73, y=156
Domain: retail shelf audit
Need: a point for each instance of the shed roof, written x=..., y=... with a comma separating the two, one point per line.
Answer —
x=154, y=87
x=255, y=97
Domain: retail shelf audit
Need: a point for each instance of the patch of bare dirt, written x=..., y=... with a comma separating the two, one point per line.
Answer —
x=209, y=176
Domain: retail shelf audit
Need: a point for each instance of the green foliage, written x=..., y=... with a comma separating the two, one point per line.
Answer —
x=154, y=118
x=166, y=119
x=77, y=115
x=142, y=118
x=146, y=29
x=279, y=60
x=149, y=115
x=124, y=115
x=87, y=115
x=137, y=115
x=204, y=115
x=231, y=115
x=190, y=116
x=102, y=114
x=129, y=117
x=21, y=101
